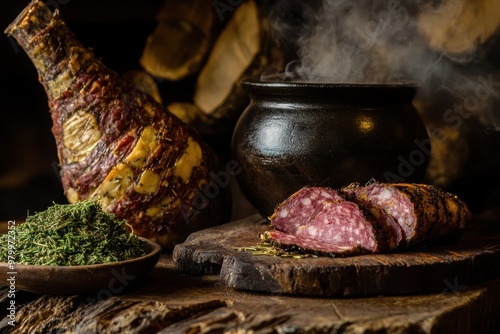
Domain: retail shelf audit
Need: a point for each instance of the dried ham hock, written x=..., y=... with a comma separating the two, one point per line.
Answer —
x=116, y=144
x=375, y=218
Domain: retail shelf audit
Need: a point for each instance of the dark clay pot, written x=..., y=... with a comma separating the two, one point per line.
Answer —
x=297, y=134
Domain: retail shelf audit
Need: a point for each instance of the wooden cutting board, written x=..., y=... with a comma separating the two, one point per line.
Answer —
x=475, y=258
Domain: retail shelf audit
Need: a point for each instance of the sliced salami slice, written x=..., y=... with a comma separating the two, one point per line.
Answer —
x=347, y=224
x=395, y=234
x=424, y=212
x=302, y=206
x=294, y=243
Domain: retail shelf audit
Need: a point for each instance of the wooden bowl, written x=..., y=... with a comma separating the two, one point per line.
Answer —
x=104, y=280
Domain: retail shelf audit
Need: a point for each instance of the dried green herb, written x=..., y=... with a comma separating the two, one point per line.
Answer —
x=72, y=235
x=266, y=248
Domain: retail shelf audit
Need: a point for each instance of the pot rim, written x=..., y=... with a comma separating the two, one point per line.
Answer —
x=367, y=94
x=257, y=82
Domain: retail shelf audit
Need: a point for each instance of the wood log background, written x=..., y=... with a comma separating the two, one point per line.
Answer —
x=463, y=31
x=183, y=37
x=203, y=51
x=458, y=27
x=466, y=33
x=173, y=302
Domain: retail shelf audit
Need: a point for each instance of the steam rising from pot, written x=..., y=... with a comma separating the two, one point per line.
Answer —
x=358, y=41
x=366, y=41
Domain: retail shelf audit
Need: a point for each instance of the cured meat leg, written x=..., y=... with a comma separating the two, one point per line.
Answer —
x=116, y=144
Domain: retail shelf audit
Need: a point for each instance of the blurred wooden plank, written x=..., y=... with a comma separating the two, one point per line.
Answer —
x=171, y=302
x=182, y=38
x=458, y=28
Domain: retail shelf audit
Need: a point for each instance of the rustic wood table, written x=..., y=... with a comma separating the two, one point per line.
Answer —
x=170, y=301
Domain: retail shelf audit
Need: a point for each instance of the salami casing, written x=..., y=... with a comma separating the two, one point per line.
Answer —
x=424, y=212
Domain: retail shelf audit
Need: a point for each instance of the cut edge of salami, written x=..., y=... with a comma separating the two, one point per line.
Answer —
x=395, y=235
x=301, y=207
x=349, y=224
x=294, y=243
x=392, y=201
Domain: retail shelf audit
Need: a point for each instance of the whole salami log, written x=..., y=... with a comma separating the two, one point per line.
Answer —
x=378, y=217
x=116, y=144
x=424, y=212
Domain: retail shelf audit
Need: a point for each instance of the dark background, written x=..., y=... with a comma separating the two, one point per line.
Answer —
x=117, y=31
